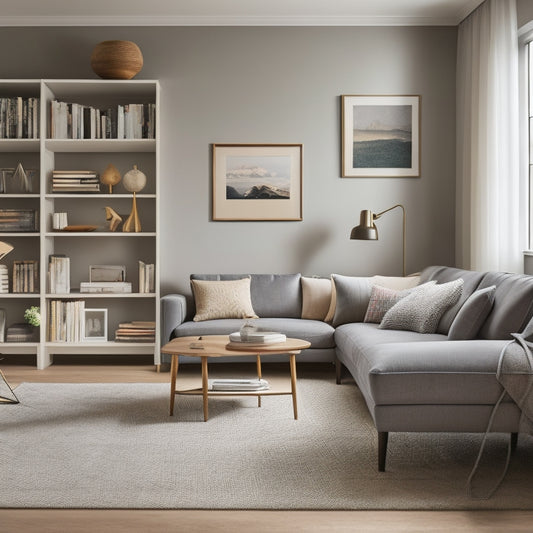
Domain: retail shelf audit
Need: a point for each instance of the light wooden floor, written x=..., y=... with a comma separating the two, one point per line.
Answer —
x=187, y=521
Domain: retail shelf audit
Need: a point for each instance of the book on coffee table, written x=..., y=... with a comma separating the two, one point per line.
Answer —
x=257, y=338
x=237, y=384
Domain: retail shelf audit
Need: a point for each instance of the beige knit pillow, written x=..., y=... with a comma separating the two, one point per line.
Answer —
x=222, y=299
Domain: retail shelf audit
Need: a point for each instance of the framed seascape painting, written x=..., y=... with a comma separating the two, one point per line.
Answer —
x=380, y=136
x=257, y=181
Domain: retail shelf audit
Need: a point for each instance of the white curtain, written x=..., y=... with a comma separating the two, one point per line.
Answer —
x=491, y=223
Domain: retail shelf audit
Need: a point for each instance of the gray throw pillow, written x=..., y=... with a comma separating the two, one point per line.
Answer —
x=472, y=315
x=421, y=311
x=352, y=295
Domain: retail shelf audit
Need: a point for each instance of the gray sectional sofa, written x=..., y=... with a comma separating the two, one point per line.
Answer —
x=411, y=382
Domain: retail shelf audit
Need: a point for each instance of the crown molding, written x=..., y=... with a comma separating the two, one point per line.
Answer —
x=177, y=20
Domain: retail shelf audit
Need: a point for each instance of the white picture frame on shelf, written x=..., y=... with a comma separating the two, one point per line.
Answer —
x=94, y=325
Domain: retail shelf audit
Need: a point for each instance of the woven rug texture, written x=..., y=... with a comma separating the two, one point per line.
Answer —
x=115, y=446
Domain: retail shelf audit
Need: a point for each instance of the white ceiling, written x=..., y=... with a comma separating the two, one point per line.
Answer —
x=234, y=12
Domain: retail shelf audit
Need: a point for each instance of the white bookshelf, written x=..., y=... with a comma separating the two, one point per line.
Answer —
x=97, y=247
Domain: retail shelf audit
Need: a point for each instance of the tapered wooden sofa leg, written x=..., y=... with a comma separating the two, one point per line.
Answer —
x=338, y=371
x=383, y=439
x=514, y=442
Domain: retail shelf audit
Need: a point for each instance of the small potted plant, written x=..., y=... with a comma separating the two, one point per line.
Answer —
x=32, y=316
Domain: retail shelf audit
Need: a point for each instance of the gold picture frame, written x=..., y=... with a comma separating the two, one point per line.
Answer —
x=257, y=181
x=380, y=136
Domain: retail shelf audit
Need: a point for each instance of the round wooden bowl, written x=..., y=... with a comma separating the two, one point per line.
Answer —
x=116, y=60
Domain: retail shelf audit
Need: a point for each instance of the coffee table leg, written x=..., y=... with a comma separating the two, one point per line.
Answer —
x=173, y=375
x=259, y=376
x=205, y=387
x=292, y=362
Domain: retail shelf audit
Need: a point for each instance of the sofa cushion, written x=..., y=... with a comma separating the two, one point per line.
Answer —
x=222, y=299
x=402, y=367
x=444, y=274
x=352, y=297
x=273, y=295
x=472, y=315
x=422, y=309
x=318, y=333
x=316, y=297
x=383, y=298
x=513, y=304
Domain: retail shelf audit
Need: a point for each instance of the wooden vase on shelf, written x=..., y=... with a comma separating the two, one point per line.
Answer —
x=110, y=176
x=132, y=224
x=116, y=60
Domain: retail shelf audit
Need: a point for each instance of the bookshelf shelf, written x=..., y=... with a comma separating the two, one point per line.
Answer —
x=100, y=145
x=110, y=248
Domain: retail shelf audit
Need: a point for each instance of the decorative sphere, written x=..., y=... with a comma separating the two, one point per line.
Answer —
x=116, y=60
x=134, y=180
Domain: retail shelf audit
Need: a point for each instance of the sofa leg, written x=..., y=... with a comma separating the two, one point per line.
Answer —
x=383, y=439
x=514, y=442
x=338, y=371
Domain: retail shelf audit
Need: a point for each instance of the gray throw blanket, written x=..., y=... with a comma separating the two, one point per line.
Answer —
x=515, y=373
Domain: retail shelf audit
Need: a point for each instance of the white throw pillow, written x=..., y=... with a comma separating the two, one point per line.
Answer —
x=222, y=299
x=396, y=282
x=421, y=310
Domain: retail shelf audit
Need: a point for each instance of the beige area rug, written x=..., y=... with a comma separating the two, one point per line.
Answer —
x=115, y=446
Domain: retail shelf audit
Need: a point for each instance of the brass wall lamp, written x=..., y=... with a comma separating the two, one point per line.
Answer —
x=367, y=231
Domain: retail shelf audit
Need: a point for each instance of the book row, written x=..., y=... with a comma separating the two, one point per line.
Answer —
x=13, y=220
x=146, y=277
x=66, y=321
x=26, y=276
x=76, y=121
x=19, y=118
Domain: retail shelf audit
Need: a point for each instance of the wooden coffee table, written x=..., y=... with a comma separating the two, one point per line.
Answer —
x=215, y=346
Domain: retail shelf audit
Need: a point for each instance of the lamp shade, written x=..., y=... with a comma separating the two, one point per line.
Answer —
x=366, y=231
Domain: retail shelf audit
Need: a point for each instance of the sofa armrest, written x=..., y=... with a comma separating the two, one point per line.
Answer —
x=173, y=313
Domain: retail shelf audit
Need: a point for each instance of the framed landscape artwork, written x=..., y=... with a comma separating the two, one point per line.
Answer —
x=380, y=136
x=257, y=181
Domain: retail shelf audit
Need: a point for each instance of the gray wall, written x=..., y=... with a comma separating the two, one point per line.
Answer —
x=279, y=85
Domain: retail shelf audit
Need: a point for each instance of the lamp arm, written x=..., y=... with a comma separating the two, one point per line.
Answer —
x=377, y=215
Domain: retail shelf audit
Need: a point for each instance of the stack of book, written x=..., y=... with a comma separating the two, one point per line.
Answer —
x=136, y=331
x=237, y=384
x=65, y=320
x=75, y=181
x=105, y=286
x=21, y=333
x=76, y=121
x=4, y=279
x=18, y=220
x=146, y=277
x=25, y=276
x=59, y=274
x=19, y=118
x=255, y=338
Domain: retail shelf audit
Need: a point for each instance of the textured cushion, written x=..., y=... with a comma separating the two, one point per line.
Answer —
x=316, y=298
x=513, y=304
x=471, y=316
x=381, y=300
x=421, y=310
x=222, y=299
x=331, y=311
x=444, y=274
x=395, y=282
x=273, y=295
x=352, y=294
